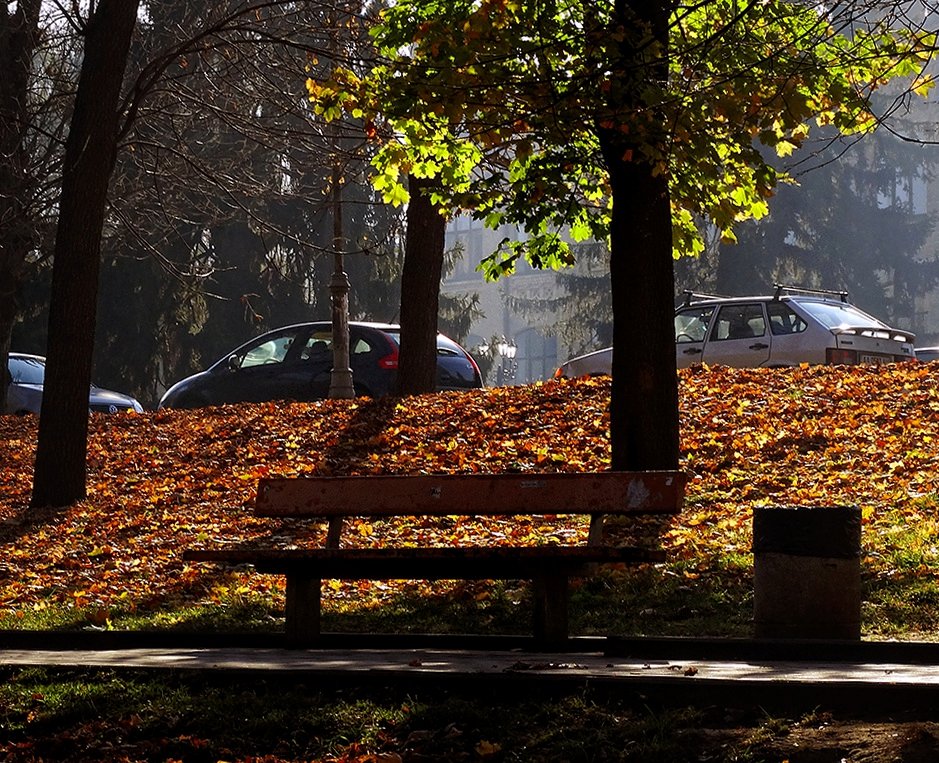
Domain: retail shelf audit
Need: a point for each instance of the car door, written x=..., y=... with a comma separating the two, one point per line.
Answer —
x=316, y=359
x=792, y=342
x=738, y=336
x=267, y=369
x=691, y=327
x=366, y=348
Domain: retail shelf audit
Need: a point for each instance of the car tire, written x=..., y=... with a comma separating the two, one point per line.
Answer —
x=361, y=390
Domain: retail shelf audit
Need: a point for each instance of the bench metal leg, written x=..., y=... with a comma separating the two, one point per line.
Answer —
x=302, y=610
x=550, y=600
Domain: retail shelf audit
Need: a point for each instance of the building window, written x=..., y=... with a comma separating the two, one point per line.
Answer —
x=537, y=356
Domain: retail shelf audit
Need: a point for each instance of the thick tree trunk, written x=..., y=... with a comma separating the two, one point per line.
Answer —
x=90, y=151
x=644, y=401
x=644, y=398
x=19, y=34
x=420, y=291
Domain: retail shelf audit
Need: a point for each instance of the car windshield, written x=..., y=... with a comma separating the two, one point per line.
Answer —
x=691, y=325
x=27, y=370
x=837, y=314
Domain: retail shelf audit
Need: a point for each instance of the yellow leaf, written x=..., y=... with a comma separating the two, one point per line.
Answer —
x=486, y=749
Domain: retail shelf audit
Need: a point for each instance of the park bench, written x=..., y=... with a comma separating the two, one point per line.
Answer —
x=549, y=567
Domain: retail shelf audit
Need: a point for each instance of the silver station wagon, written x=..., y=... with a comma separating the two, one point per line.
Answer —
x=788, y=328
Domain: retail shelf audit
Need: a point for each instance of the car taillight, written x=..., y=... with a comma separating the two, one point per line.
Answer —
x=390, y=361
x=835, y=356
x=559, y=373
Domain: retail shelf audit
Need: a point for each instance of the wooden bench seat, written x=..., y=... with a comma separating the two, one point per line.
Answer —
x=549, y=567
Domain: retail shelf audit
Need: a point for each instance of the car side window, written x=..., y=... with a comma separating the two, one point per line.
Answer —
x=272, y=350
x=739, y=322
x=360, y=347
x=783, y=320
x=691, y=325
x=319, y=346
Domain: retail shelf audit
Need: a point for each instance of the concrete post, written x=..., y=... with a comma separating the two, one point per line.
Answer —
x=807, y=572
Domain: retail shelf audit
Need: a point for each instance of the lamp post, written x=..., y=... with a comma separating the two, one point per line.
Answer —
x=340, y=382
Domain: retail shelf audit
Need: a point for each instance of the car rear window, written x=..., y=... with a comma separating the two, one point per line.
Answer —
x=836, y=314
x=445, y=346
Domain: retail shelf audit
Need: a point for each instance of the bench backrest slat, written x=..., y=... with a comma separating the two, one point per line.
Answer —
x=660, y=492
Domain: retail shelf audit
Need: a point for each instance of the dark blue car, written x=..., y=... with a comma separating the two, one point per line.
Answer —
x=295, y=363
x=27, y=376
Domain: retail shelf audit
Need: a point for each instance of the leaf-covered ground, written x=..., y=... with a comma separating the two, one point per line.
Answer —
x=160, y=482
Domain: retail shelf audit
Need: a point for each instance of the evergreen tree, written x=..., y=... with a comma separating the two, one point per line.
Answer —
x=855, y=222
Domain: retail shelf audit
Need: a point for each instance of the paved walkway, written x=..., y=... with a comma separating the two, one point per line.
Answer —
x=389, y=662
x=858, y=683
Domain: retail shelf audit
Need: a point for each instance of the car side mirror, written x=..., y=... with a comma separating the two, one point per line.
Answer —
x=233, y=363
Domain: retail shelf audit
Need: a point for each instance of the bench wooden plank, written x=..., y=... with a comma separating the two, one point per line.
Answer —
x=444, y=563
x=548, y=567
x=473, y=494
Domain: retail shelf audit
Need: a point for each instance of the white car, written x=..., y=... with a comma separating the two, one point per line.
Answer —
x=791, y=327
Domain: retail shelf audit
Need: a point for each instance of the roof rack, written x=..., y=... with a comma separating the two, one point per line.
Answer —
x=693, y=296
x=780, y=288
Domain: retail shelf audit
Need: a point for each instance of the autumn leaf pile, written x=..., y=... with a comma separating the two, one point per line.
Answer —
x=161, y=482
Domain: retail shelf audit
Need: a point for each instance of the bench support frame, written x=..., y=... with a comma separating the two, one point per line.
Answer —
x=302, y=609
x=549, y=570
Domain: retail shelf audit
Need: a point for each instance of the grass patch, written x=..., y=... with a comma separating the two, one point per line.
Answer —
x=49, y=715
x=46, y=715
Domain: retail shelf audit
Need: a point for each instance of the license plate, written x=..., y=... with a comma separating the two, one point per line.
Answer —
x=866, y=357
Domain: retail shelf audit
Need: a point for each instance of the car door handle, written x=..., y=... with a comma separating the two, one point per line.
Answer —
x=759, y=346
x=692, y=351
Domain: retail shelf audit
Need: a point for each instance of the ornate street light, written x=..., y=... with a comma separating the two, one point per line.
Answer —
x=503, y=349
x=507, y=351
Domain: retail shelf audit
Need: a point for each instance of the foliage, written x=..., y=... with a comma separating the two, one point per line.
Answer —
x=219, y=221
x=582, y=307
x=855, y=221
x=161, y=482
x=504, y=100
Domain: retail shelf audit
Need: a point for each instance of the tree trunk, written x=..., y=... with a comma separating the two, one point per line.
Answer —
x=19, y=35
x=420, y=291
x=90, y=151
x=644, y=398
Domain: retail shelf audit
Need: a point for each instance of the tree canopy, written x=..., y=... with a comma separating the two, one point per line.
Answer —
x=636, y=122
x=503, y=100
